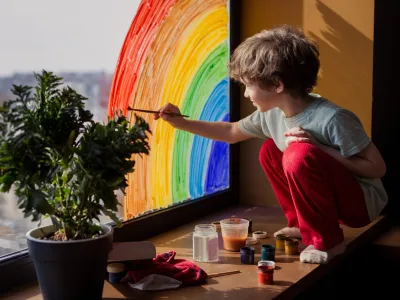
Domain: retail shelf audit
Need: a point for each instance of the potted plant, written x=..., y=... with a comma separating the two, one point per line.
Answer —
x=64, y=166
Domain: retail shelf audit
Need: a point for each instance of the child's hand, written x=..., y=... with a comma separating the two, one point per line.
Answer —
x=164, y=113
x=299, y=135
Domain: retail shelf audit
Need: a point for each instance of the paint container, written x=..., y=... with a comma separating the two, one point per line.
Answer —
x=116, y=271
x=265, y=272
x=291, y=246
x=234, y=233
x=280, y=242
x=250, y=225
x=251, y=241
x=247, y=255
x=268, y=252
x=205, y=243
x=260, y=234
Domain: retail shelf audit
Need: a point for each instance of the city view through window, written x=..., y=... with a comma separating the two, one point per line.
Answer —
x=77, y=40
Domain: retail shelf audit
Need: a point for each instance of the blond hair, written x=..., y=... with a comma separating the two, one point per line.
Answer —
x=281, y=54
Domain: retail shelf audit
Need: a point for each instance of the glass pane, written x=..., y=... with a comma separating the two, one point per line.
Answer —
x=129, y=53
x=77, y=40
x=177, y=52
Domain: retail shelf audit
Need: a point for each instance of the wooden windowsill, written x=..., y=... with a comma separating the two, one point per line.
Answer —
x=290, y=277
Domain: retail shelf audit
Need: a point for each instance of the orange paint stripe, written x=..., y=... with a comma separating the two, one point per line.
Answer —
x=139, y=38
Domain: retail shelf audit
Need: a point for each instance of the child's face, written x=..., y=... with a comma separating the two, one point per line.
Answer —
x=263, y=99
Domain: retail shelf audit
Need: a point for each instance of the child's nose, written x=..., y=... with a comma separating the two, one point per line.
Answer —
x=246, y=94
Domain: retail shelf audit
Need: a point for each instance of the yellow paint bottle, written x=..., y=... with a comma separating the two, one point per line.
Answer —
x=280, y=241
x=291, y=246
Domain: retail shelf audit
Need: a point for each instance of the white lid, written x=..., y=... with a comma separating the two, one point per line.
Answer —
x=115, y=268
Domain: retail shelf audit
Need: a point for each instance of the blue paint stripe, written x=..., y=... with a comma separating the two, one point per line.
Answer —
x=215, y=109
x=218, y=166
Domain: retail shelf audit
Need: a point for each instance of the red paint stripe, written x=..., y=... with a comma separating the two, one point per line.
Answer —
x=138, y=40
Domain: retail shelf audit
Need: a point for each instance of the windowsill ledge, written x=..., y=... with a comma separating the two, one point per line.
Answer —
x=290, y=277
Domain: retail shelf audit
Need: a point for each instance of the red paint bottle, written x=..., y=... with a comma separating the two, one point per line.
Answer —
x=266, y=272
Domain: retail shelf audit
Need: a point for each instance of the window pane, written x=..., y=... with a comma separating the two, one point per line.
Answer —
x=120, y=54
x=180, y=56
x=77, y=40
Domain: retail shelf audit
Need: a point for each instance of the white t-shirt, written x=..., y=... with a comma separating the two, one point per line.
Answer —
x=331, y=125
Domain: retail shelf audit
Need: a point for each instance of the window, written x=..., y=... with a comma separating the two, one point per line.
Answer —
x=178, y=55
x=86, y=47
x=82, y=48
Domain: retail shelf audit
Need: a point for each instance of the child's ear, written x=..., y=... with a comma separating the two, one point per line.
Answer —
x=279, y=87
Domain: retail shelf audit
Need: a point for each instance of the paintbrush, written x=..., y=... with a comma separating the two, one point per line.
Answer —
x=212, y=275
x=157, y=112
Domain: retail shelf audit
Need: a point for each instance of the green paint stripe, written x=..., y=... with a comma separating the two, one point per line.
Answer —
x=210, y=73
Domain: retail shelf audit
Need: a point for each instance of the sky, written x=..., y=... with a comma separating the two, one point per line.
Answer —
x=63, y=35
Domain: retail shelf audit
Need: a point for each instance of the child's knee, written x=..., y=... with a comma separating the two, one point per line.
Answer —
x=299, y=156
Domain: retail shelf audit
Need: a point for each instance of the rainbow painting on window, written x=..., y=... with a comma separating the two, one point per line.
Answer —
x=175, y=51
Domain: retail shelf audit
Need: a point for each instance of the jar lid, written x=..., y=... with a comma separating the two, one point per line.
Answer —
x=266, y=265
x=115, y=268
x=251, y=241
x=247, y=250
x=267, y=246
x=205, y=227
x=260, y=234
x=281, y=236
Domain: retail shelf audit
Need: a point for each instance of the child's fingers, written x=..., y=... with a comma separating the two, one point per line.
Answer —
x=164, y=116
x=295, y=131
x=299, y=134
x=299, y=140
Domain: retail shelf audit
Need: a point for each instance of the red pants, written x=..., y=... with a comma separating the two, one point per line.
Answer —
x=315, y=191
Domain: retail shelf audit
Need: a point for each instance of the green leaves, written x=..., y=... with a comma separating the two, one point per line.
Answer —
x=63, y=164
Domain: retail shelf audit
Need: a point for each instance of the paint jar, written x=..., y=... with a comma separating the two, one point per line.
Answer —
x=265, y=272
x=280, y=241
x=268, y=252
x=250, y=225
x=234, y=233
x=291, y=246
x=116, y=271
x=205, y=243
x=247, y=255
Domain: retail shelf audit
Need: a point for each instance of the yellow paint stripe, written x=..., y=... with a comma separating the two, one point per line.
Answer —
x=177, y=30
x=205, y=35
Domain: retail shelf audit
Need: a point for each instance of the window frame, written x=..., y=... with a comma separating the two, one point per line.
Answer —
x=385, y=104
x=17, y=268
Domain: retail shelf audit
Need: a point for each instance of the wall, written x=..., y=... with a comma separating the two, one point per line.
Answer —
x=344, y=31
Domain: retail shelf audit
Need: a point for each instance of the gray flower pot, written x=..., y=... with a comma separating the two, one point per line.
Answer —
x=70, y=269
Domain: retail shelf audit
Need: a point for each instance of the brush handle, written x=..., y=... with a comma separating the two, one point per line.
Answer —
x=212, y=275
x=157, y=112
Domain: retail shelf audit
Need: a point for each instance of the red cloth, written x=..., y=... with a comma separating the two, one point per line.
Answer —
x=315, y=191
x=166, y=264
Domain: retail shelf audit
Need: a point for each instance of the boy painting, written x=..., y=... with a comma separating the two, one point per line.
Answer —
x=322, y=166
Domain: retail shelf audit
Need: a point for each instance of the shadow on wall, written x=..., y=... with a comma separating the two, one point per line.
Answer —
x=257, y=15
x=346, y=60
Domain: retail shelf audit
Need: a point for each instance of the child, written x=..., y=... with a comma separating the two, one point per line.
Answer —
x=322, y=166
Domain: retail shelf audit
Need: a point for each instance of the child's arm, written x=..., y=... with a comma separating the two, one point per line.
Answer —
x=368, y=163
x=220, y=131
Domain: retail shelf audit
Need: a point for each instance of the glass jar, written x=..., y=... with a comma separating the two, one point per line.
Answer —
x=205, y=243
